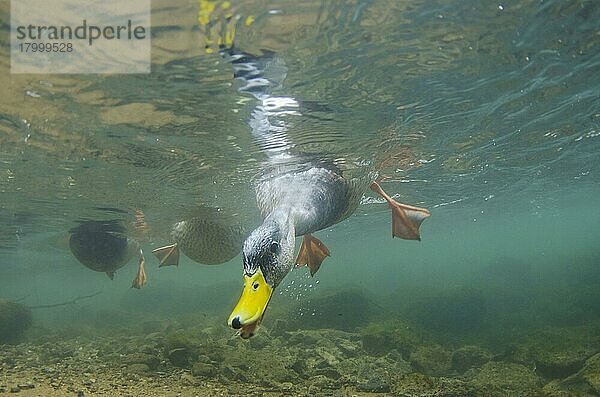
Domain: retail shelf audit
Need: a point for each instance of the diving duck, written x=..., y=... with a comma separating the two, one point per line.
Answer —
x=208, y=236
x=297, y=195
x=103, y=246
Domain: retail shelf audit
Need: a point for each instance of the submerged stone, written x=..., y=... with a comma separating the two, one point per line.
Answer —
x=585, y=382
x=380, y=338
x=203, y=369
x=416, y=384
x=556, y=352
x=468, y=357
x=431, y=360
x=141, y=358
x=15, y=319
x=179, y=357
x=560, y=364
x=138, y=369
x=501, y=379
x=320, y=382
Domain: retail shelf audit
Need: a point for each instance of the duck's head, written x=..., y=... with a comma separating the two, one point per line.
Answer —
x=268, y=257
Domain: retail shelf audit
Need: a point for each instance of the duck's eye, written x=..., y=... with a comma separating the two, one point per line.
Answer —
x=274, y=247
x=255, y=286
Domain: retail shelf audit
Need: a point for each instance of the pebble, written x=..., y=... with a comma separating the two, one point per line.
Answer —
x=32, y=94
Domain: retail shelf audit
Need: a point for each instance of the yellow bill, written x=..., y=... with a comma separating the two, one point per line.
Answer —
x=252, y=304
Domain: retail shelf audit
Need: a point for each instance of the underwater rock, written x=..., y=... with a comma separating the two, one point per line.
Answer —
x=203, y=358
x=559, y=364
x=431, y=360
x=377, y=339
x=366, y=369
x=586, y=382
x=15, y=319
x=591, y=372
x=320, y=382
x=259, y=341
x=556, y=352
x=179, y=357
x=416, y=384
x=374, y=385
x=380, y=338
x=300, y=367
x=286, y=386
x=137, y=369
x=188, y=379
x=327, y=371
x=347, y=347
x=236, y=374
x=395, y=356
x=142, y=358
x=184, y=346
x=468, y=357
x=204, y=370
x=501, y=379
x=329, y=357
x=302, y=338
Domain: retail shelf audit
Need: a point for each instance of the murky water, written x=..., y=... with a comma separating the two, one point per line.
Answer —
x=486, y=113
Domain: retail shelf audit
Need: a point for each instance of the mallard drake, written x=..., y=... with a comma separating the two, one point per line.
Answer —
x=294, y=200
x=299, y=204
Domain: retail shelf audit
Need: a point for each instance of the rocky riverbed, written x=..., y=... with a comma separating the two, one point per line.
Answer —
x=379, y=359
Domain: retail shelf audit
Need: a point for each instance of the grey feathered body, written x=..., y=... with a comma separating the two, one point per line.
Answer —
x=208, y=242
x=316, y=198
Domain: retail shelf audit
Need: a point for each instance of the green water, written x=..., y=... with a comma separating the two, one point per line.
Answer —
x=487, y=114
